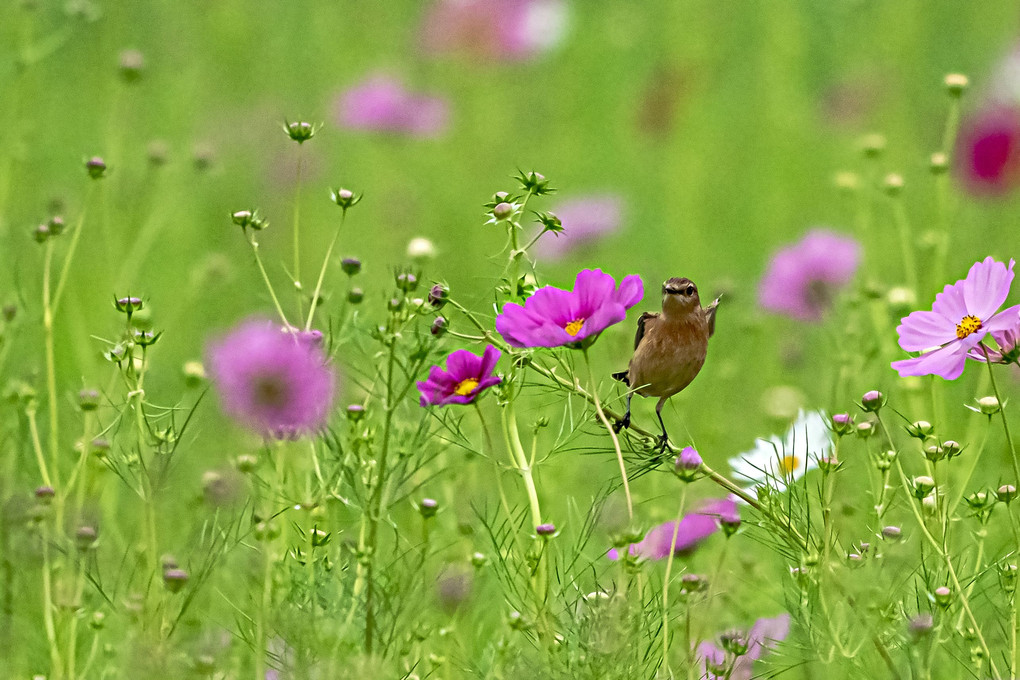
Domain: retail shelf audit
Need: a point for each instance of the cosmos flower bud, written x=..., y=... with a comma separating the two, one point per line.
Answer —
x=41, y=233
x=128, y=305
x=854, y=559
x=242, y=218
x=988, y=405
x=934, y=453
x=8, y=312
x=842, y=424
x=44, y=494
x=100, y=447
x=892, y=533
x=1007, y=576
x=865, y=429
x=439, y=295
x=546, y=530
x=88, y=400
x=872, y=145
x=921, y=625
x=96, y=167
x=534, y=183
x=872, y=400
x=502, y=211
x=692, y=583
x=938, y=163
x=1006, y=493
x=951, y=448
x=300, y=131
x=85, y=538
x=158, y=153
x=56, y=225
x=893, y=184
x=266, y=531
x=355, y=412
x=550, y=222
x=428, y=507
x=943, y=596
x=479, y=560
x=735, y=642
x=829, y=464
x=175, y=579
x=406, y=281
x=146, y=338
x=979, y=501
x=921, y=429
x=132, y=63
x=98, y=621
x=355, y=296
x=345, y=198
x=956, y=83
x=923, y=486
x=688, y=464
x=350, y=266
x=194, y=373
x=439, y=326
x=246, y=463
x=729, y=523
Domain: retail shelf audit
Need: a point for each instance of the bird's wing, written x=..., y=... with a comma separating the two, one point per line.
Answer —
x=641, y=326
x=710, y=316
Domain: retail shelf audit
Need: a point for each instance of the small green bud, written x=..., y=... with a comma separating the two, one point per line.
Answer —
x=1006, y=493
x=41, y=233
x=923, y=486
x=479, y=560
x=175, y=579
x=355, y=296
x=406, y=281
x=85, y=538
x=98, y=621
x=893, y=184
x=246, y=463
x=943, y=596
x=438, y=296
x=194, y=373
x=865, y=429
x=345, y=198
x=921, y=429
x=96, y=167
x=439, y=326
x=989, y=405
x=892, y=533
x=956, y=83
x=132, y=64
x=503, y=211
x=300, y=132
x=350, y=266
x=873, y=145
x=428, y=507
x=938, y=163
x=88, y=400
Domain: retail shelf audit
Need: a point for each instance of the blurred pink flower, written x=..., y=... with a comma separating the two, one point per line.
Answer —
x=553, y=317
x=963, y=313
x=988, y=150
x=585, y=220
x=695, y=527
x=495, y=29
x=382, y=104
x=1008, y=342
x=763, y=637
x=272, y=381
x=802, y=278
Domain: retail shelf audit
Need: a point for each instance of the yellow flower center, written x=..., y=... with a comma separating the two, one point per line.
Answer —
x=968, y=324
x=465, y=387
x=788, y=465
x=574, y=327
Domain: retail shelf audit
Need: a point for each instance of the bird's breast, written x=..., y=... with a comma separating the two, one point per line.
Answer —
x=669, y=357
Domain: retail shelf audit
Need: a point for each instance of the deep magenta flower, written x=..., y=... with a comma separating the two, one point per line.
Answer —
x=963, y=313
x=382, y=104
x=763, y=637
x=272, y=381
x=695, y=527
x=507, y=30
x=552, y=317
x=466, y=376
x=802, y=278
x=585, y=220
x=988, y=150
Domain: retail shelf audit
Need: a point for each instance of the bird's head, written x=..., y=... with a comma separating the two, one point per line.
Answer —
x=679, y=296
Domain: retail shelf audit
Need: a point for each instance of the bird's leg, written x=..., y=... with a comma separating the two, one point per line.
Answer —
x=625, y=421
x=664, y=438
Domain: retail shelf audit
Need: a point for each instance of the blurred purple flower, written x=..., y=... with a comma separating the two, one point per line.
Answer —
x=510, y=30
x=467, y=375
x=695, y=527
x=963, y=313
x=584, y=220
x=801, y=278
x=763, y=637
x=271, y=381
x=382, y=104
x=553, y=317
x=1008, y=342
x=988, y=150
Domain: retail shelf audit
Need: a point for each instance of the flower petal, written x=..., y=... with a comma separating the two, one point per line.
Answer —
x=946, y=362
x=632, y=290
x=593, y=288
x=923, y=330
x=490, y=356
x=986, y=287
x=950, y=303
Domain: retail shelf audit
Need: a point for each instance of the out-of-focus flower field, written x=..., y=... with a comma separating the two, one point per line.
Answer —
x=318, y=323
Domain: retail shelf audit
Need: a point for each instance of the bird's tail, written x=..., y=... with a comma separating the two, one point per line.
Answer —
x=622, y=377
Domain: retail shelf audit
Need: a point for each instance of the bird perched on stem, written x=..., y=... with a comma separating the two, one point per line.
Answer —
x=669, y=348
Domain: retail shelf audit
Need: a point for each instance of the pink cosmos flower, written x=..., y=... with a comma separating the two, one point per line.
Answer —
x=466, y=377
x=764, y=635
x=801, y=278
x=988, y=150
x=509, y=30
x=382, y=104
x=962, y=315
x=1008, y=342
x=552, y=317
x=584, y=220
x=271, y=381
x=695, y=527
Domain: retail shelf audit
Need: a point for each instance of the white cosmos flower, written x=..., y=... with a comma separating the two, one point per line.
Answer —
x=780, y=461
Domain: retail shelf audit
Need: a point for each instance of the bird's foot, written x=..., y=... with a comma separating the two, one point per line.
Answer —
x=621, y=423
x=663, y=444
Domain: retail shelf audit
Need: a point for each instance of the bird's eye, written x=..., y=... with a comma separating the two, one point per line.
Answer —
x=690, y=290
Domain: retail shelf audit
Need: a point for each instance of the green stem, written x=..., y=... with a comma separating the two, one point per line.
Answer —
x=71, y=249
x=665, y=584
x=612, y=434
x=51, y=368
x=265, y=277
x=322, y=271
x=1002, y=414
x=56, y=667
x=297, y=229
x=906, y=242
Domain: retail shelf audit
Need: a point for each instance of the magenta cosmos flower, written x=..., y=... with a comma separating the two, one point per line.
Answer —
x=466, y=376
x=988, y=150
x=585, y=220
x=272, y=381
x=382, y=104
x=763, y=637
x=962, y=315
x=695, y=527
x=1008, y=342
x=802, y=278
x=552, y=317
x=508, y=30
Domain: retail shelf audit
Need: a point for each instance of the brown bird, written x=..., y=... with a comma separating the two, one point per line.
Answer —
x=669, y=348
